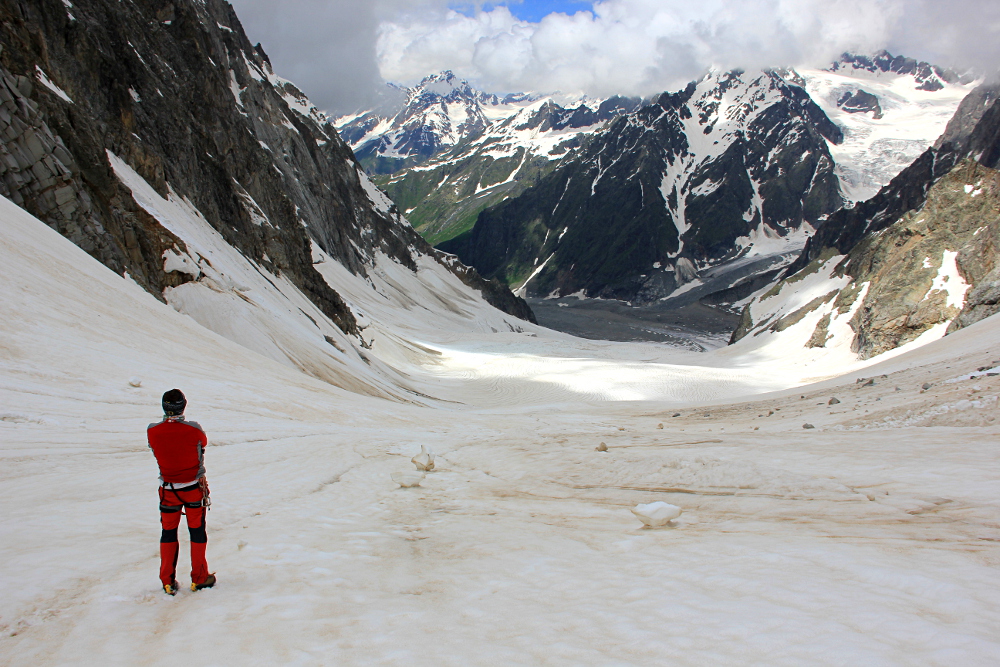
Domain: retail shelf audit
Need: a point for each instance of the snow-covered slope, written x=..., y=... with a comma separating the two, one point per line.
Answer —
x=243, y=301
x=890, y=112
x=787, y=535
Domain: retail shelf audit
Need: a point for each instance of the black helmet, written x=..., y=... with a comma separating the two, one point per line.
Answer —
x=174, y=403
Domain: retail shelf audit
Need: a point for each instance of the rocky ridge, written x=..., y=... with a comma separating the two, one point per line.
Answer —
x=176, y=90
x=918, y=258
x=928, y=77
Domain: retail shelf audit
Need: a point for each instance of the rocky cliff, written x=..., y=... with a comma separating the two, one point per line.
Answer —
x=920, y=258
x=175, y=89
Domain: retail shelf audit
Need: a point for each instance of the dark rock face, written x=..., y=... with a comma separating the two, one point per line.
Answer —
x=928, y=76
x=924, y=252
x=177, y=91
x=860, y=101
x=673, y=185
x=974, y=131
x=40, y=174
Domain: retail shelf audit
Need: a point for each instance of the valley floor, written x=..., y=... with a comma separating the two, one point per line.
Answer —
x=691, y=327
x=872, y=539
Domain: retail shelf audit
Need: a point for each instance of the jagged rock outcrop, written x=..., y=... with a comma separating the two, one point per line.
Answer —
x=929, y=77
x=733, y=164
x=919, y=269
x=860, y=101
x=920, y=255
x=175, y=89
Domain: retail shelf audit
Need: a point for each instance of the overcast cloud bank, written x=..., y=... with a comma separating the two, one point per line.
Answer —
x=340, y=51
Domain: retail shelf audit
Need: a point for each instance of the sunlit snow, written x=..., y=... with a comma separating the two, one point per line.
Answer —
x=862, y=541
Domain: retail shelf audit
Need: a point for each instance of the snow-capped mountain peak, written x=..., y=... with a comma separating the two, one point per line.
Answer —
x=445, y=85
x=447, y=150
x=443, y=111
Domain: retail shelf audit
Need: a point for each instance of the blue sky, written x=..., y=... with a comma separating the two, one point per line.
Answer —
x=531, y=10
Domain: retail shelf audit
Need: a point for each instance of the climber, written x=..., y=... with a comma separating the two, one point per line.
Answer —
x=179, y=448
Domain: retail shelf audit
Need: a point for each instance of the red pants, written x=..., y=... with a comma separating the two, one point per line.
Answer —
x=171, y=505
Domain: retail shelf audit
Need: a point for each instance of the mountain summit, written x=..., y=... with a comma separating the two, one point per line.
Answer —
x=444, y=151
x=435, y=114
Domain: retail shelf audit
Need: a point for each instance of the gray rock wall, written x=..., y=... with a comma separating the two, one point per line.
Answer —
x=175, y=89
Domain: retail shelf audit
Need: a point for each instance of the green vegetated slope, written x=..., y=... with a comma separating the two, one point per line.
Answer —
x=443, y=201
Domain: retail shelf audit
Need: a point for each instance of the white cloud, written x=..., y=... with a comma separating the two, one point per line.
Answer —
x=648, y=46
x=339, y=51
x=327, y=47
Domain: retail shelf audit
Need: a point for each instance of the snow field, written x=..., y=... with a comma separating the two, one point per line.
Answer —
x=855, y=542
x=874, y=150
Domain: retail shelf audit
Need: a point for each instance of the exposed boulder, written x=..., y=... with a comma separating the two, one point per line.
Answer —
x=657, y=514
x=860, y=101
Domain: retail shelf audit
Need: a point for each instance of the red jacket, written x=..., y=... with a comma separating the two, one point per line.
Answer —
x=179, y=447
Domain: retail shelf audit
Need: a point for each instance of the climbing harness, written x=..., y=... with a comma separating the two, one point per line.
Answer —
x=205, y=501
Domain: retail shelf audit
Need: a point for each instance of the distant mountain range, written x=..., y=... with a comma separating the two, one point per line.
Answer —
x=635, y=200
x=445, y=151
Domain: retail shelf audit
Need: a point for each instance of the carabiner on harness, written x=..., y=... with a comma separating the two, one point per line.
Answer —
x=206, y=498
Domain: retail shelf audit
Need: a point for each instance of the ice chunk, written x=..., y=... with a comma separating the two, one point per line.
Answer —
x=656, y=514
x=424, y=460
x=407, y=478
